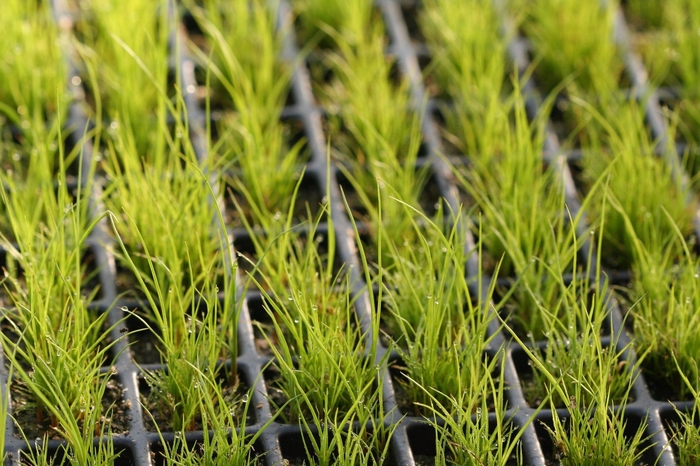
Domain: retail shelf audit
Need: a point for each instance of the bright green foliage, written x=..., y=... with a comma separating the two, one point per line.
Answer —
x=125, y=49
x=50, y=290
x=246, y=75
x=635, y=178
x=226, y=443
x=574, y=354
x=440, y=329
x=573, y=38
x=314, y=320
x=32, y=68
x=469, y=66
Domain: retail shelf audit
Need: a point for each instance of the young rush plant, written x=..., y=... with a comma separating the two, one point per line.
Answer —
x=473, y=432
x=349, y=19
x=681, y=20
x=124, y=46
x=320, y=351
x=641, y=183
x=593, y=432
x=666, y=293
x=49, y=326
x=522, y=213
x=469, y=66
x=251, y=86
x=686, y=433
x=32, y=69
x=439, y=328
x=178, y=254
x=574, y=353
x=375, y=132
x=328, y=371
x=224, y=441
x=573, y=39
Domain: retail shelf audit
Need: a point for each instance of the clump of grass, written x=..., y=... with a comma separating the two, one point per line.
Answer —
x=173, y=212
x=349, y=19
x=224, y=440
x=195, y=326
x=375, y=129
x=592, y=432
x=124, y=47
x=686, y=433
x=573, y=38
x=574, y=353
x=666, y=292
x=55, y=345
x=439, y=328
x=522, y=212
x=469, y=66
x=32, y=69
x=319, y=368
x=474, y=432
x=642, y=184
x=253, y=85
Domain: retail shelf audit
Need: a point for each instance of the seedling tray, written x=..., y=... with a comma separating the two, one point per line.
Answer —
x=413, y=442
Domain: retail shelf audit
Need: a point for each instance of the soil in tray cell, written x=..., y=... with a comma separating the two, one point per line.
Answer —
x=35, y=423
x=144, y=345
x=411, y=11
x=664, y=385
x=263, y=327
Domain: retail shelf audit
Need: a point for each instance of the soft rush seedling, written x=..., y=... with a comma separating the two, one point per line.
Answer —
x=58, y=337
x=469, y=66
x=251, y=83
x=125, y=49
x=642, y=184
x=572, y=38
x=32, y=70
x=440, y=329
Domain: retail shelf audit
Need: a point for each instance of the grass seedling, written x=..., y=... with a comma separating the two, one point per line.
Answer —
x=32, y=69
x=224, y=439
x=572, y=38
x=642, y=184
x=666, y=291
x=469, y=65
x=686, y=433
x=319, y=349
x=574, y=352
x=54, y=344
x=374, y=129
x=439, y=328
x=252, y=86
x=125, y=50
x=468, y=435
x=195, y=326
x=347, y=18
